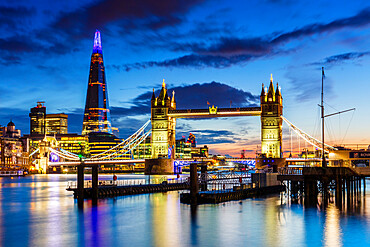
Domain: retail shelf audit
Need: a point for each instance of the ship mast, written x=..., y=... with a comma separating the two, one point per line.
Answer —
x=322, y=117
x=323, y=164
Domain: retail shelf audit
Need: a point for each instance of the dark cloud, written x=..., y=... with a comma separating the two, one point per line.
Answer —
x=70, y=28
x=339, y=59
x=191, y=97
x=227, y=51
x=12, y=18
x=18, y=44
x=155, y=14
x=10, y=60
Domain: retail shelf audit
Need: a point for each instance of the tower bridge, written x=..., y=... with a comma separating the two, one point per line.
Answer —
x=164, y=115
x=163, y=131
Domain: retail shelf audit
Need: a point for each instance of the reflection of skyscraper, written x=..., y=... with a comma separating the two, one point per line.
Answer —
x=97, y=115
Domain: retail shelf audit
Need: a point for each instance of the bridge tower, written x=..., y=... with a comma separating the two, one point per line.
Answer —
x=163, y=126
x=271, y=122
x=163, y=133
x=42, y=164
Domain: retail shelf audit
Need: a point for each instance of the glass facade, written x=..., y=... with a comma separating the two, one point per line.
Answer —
x=97, y=114
x=56, y=123
x=100, y=142
x=37, y=119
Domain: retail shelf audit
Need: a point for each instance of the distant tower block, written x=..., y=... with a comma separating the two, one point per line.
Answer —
x=163, y=126
x=97, y=113
x=271, y=122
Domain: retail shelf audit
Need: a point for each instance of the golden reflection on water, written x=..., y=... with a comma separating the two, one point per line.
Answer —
x=166, y=220
x=332, y=229
x=159, y=219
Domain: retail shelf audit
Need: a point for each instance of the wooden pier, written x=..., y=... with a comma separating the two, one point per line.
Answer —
x=308, y=183
x=114, y=191
x=214, y=197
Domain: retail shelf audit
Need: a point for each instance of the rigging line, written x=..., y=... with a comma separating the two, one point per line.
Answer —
x=299, y=145
x=331, y=106
x=350, y=121
x=304, y=134
x=328, y=131
x=316, y=129
x=331, y=131
x=309, y=141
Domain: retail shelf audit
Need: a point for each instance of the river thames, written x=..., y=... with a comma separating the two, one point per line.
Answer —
x=38, y=211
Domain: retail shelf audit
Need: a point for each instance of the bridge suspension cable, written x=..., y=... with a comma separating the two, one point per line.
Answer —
x=115, y=152
x=313, y=141
x=125, y=142
x=33, y=152
x=119, y=151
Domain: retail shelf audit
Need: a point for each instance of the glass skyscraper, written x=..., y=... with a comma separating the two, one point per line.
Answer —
x=97, y=113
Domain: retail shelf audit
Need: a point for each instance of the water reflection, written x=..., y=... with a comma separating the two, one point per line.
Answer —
x=38, y=211
x=332, y=230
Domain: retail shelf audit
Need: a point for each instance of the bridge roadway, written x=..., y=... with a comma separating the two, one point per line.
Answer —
x=215, y=112
x=181, y=162
x=141, y=161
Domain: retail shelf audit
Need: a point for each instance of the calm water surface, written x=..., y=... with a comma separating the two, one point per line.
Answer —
x=38, y=211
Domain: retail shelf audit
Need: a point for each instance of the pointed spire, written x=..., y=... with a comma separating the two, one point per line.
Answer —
x=153, y=95
x=263, y=90
x=271, y=91
x=163, y=93
x=173, y=97
x=277, y=90
x=97, y=43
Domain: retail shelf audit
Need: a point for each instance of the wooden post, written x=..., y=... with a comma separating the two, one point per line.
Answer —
x=194, y=186
x=364, y=186
x=203, y=171
x=94, y=190
x=80, y=184
x=348, y=185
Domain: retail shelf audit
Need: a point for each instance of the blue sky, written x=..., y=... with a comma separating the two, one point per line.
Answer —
x=213, y=51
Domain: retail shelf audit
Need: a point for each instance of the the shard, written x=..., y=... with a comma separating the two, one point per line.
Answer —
x=97, y=113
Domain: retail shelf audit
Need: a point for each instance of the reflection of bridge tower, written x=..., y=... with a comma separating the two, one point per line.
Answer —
x=271, y=122
x=163, y=126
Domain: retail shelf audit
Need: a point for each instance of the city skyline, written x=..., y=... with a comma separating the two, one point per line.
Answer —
x=206, y=53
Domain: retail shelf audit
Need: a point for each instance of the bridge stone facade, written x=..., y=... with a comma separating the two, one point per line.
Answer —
x=163, y=125
x=271, y=122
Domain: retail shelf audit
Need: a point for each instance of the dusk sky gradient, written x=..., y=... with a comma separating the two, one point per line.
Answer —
x=216, y=51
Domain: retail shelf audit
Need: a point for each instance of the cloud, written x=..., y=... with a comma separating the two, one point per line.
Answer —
x=340, y=58
x=12, y=18
x=68, y=29
x=228, y=51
